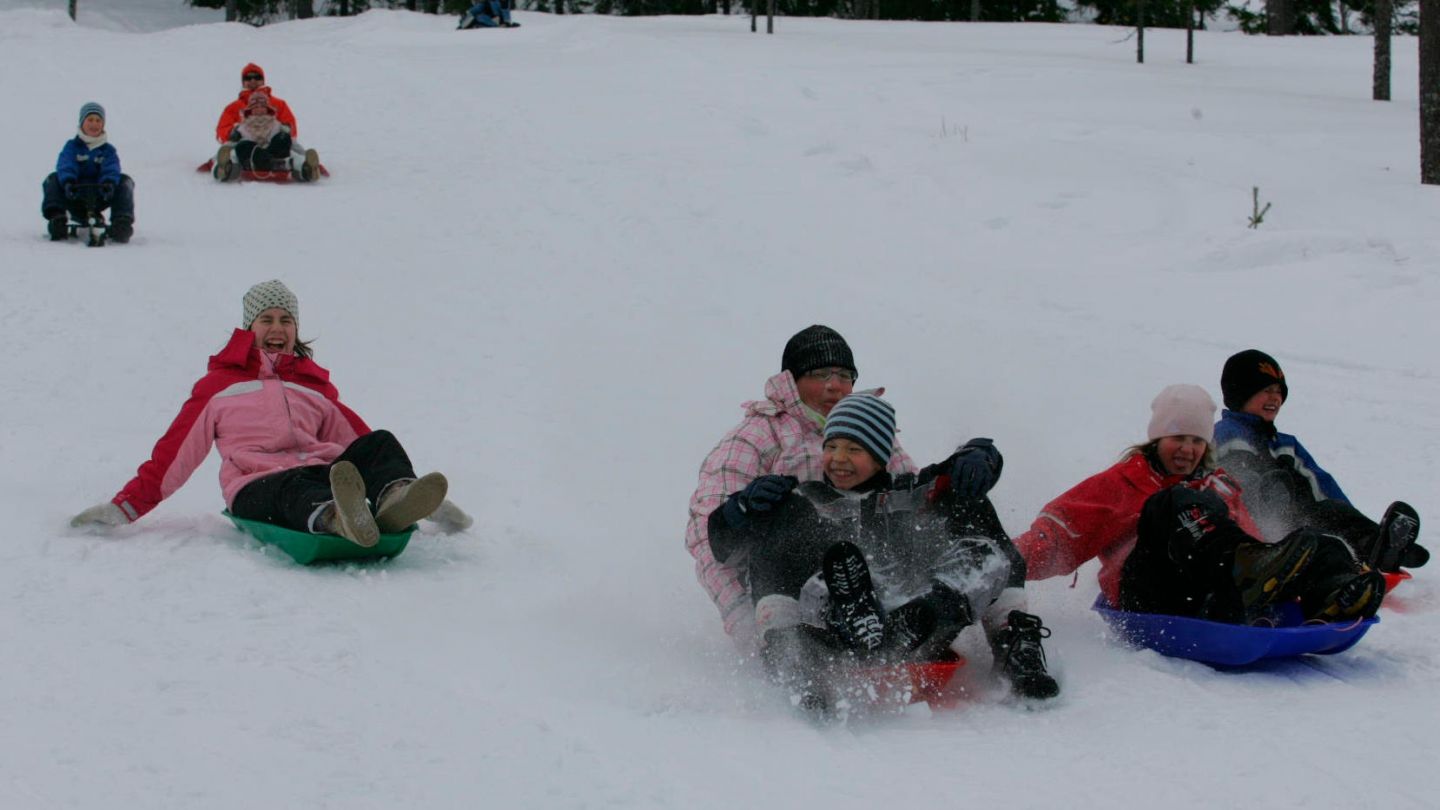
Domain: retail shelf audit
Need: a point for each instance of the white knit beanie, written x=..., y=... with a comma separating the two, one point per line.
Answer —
x=1182, y=410
x=268, y=294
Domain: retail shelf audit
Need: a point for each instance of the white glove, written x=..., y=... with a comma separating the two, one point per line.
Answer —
x=451, y=518
x=100, y=516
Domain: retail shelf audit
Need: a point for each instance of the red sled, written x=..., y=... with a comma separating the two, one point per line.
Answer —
x=1394, y=578
x=914, y=682
x=272, y=176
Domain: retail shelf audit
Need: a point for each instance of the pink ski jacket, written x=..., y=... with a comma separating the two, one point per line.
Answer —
x=265, y=413
x=1100, y=517
x=776, y=437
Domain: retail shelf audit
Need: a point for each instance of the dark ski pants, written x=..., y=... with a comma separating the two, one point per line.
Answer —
x=1170, y=573
x=288, y=498
x=54, y=203
x=273, y=156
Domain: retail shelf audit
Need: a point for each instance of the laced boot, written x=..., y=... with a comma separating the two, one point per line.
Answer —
x=1346, y=597
x=348, y=515
x=407, y=500
x=1020, y=658
x=1264, y=572
x=226, y=169
x=855, y=614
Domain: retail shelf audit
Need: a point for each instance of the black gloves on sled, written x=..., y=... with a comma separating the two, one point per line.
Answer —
x=70, y=191
x=107, y=190
x=975, y=468
x=757, y=498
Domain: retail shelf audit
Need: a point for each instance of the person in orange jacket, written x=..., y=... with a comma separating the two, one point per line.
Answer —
x=252, y=78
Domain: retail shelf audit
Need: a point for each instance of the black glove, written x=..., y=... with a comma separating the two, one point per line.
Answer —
x=1185, y=517
x=70, y=190
x=758, y=498
x=107, y=190
x=975, y=468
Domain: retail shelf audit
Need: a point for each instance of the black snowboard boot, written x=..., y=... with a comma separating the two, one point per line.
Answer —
x=1020, y=658
x=1391, y=547
x=59, y=227
x=1265, y=572
x=855, y=614
x=1345, y=598
x=935, y=617
x=122, y=228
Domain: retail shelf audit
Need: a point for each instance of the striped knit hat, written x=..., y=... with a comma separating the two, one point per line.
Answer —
x=90, y=108
x=867, y=419
x=269, y=294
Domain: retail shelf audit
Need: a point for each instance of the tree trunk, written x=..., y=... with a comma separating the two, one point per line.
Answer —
x=1190, y=32
x=770, y=18
x=1279, y=18
x=974, y=10
x=232, y=11
x=1344, y=18
x=1140, y=31
x=1380, y=80
x=304, y=9
x=72, y=9
x=1430, y=92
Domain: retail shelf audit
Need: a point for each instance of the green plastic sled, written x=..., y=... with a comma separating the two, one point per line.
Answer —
x=308, y=549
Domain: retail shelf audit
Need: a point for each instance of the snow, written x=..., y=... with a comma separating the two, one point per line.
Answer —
x=554, y=260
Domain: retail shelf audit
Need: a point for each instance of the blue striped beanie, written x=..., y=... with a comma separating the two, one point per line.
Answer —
x=88, y=108
x=867, y=419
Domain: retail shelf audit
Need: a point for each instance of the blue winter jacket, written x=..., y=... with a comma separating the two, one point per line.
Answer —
x=78, y=163
x=1238, y=434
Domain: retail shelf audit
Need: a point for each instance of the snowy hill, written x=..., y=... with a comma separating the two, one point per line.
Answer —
x=554, y=260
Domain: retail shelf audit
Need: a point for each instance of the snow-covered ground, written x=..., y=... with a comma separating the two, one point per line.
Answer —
x=554, y=260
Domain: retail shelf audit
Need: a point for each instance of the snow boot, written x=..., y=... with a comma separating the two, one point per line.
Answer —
x=1264, y=573
x=935, y=618
x=855, y=614
x=1346, y=598
x=794, y=658
x=122, y=228
x=1020, y=658
x=310, y=169
x=226, y=169
x=1392, y=544
x=348, y=515
x=59, y=227
x=407, y=500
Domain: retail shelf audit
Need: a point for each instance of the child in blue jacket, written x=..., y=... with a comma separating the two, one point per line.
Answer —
x=86, y=161
x=1284, y=488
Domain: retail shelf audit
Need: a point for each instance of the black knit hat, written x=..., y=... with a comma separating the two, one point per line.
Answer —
x=1247, y=373
x=816, y=347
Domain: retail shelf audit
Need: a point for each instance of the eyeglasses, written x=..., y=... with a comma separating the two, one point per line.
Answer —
x=253, y=77
x=828, y=374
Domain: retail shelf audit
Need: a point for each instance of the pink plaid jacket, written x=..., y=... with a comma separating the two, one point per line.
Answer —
x=777, y=437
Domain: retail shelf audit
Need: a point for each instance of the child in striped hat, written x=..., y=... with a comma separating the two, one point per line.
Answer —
x=864, y=565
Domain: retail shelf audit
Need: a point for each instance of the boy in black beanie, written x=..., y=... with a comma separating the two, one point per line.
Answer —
x=1284, y=488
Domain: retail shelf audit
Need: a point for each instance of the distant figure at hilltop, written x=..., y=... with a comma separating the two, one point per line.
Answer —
x=487, y=14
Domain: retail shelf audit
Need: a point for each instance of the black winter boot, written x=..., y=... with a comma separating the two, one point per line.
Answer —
x=1391, y=547
x=1020, y=658
x=855, y=614
x=1265, y=572
x=794, y=659
x=122, y=228
x=1345, y=598
x=59, y=227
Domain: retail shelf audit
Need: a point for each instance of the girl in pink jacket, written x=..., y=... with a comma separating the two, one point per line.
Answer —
x=292, y=454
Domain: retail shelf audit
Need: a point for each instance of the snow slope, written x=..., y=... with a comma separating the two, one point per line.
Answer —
x=554, y=260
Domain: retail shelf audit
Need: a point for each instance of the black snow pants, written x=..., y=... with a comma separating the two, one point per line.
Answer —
x=288, y=498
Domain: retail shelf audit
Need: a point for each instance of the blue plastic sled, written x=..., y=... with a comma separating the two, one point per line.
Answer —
x=1230, y=645
x=308, y=549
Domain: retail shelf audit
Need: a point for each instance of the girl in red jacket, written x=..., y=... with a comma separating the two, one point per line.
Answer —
x=1173, y=535
x=292, y=454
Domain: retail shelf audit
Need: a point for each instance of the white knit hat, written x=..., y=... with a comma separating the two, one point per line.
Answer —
x=1182, y=410
x=269, y=294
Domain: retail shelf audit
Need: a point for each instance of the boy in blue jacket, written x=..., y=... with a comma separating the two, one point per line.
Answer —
x=1284, y=488
x=89, y=160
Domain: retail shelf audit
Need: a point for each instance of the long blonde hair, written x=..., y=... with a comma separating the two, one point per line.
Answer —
x=1151, y=451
